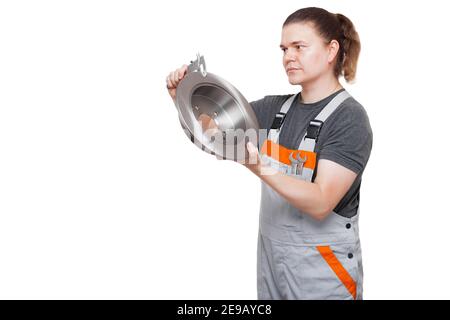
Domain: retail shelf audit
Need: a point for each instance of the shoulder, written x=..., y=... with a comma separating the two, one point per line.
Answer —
x=267, y=107
x=346, y=137
x=348, y=124
x=350, y=113
x=352, y=107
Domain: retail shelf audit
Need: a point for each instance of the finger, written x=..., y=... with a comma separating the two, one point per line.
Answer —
x=253, y=153
x=169, y=83
x=173, y=83
x=172, y=78
x=184, y=70
x=252, y=149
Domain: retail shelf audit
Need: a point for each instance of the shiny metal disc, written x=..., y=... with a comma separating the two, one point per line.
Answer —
x=216, y=114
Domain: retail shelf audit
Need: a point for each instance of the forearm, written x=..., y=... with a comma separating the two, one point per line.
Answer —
x=305, y=196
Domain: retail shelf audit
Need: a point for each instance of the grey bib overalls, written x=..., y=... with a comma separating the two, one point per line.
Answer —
x=299, y=257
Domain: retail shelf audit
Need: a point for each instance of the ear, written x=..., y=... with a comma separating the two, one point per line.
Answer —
x=333, y=48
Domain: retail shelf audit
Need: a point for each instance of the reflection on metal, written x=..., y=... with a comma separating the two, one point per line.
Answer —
x=215, y=113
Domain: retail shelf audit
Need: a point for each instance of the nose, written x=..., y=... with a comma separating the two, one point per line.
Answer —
x=289, y=55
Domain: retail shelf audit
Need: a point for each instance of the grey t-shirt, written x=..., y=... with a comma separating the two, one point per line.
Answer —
x=345, y=137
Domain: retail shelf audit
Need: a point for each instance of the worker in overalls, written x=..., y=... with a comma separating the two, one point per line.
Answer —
x=311, y=164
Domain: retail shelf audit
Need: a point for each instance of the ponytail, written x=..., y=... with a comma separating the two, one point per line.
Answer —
x=351, y=46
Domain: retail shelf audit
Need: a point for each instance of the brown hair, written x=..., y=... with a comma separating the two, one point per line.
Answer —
x=337, y=27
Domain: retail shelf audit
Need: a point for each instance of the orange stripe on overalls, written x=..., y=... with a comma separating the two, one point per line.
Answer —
x=338, y=269
x=281, y=154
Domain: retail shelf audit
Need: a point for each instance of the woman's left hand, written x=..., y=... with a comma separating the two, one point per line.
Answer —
x=253, y=163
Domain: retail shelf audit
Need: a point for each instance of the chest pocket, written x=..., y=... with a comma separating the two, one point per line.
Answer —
x=293, y=162
x=300, y=163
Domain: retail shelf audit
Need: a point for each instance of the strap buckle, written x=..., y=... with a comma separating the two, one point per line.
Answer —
x=313, y=129
x=278, y=121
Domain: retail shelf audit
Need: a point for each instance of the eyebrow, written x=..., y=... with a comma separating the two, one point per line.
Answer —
x=294, y=43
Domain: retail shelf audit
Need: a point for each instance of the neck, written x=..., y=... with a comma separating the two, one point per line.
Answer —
x=319, y=89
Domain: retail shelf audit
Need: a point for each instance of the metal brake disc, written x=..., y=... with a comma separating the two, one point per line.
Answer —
x=215, y=113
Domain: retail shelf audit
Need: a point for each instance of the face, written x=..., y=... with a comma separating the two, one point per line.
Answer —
x=306, y=56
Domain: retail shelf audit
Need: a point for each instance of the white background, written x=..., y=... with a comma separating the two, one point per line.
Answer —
x=103, y=197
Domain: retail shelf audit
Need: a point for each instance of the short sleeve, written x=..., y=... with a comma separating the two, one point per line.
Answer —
x=258, y=108
x=348, y=141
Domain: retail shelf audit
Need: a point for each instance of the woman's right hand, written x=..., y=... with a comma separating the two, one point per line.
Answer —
x=174, y=78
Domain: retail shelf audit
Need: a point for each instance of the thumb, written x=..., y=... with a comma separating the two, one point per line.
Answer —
x=253, y=153
x=251, y=148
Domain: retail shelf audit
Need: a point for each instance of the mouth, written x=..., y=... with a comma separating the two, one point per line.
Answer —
x=292, y=70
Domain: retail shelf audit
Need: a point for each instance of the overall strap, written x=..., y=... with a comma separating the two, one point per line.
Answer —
x=308, y=142
x=277, y=123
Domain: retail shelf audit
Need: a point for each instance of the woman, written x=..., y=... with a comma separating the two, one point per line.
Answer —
x=319, y=142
